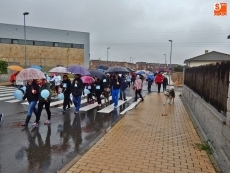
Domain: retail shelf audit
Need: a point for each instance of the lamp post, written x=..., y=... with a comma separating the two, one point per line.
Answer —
x=133, y=60
x=130, y=59
x=108, y=53
x=170, y=61
x=25, y=13
x=165, y=60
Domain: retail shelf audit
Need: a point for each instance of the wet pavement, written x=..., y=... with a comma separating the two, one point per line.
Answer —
x=153, y=138
x=49, y=148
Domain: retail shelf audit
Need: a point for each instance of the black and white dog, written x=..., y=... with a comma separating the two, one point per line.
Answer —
x=169, y=95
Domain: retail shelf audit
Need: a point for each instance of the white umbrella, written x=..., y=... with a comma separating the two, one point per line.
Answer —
x=58, y=70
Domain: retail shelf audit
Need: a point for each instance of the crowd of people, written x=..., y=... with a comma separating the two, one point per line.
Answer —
x=114, y=85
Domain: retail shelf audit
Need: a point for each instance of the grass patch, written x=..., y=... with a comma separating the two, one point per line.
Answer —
x=204, y=146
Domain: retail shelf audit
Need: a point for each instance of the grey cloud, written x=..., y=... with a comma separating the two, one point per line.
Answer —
x=131, y=28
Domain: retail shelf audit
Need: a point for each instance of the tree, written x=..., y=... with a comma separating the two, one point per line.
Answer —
x=3, y=67
x=178, y=68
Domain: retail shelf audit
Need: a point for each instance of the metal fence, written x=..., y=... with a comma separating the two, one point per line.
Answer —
x=211, y=83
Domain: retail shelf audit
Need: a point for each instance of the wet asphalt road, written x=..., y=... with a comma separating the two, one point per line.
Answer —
x=49, y=148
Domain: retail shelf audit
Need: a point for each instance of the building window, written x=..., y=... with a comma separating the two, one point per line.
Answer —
x=68, y=45
x=39, y=43
x=5, y=40
x=48, y=44
x=56, y=45
x=61, y=44
x=78, y=46
x=14, y=41
x=28, y=42
x=82, y=46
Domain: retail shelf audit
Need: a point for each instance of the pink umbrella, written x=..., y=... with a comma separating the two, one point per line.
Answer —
x=30, y=73
x=87, y=79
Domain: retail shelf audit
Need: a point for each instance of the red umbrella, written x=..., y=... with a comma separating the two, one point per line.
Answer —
x=87, y=79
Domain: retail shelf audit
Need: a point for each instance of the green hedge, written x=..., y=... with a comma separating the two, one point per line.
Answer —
x=3, y=67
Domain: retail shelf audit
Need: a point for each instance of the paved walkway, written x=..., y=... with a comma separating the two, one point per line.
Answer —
x=145, y=141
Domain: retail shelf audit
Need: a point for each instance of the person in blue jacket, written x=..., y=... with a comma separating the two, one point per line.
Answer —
x=116, y=85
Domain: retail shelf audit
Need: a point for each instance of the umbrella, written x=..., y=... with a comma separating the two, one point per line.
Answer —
x=77, y=69
x=129, y=69
x=117, y=69
x=36, y=67
x=87, y=79
x=96, y=73
x=103, y=67
x=59, y=70
x=101, y=70
x=15, y=68
x=30, y=73
x=140, y=72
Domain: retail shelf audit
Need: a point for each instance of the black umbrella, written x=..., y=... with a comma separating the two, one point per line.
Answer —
x=129, y=69
x=96, y=73
x=117, y=69
x=103, y=67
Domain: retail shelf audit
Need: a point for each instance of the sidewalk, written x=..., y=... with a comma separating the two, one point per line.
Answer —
x=145, y=141
x=5, y=84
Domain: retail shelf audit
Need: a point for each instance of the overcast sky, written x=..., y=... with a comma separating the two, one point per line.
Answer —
x=131, y=28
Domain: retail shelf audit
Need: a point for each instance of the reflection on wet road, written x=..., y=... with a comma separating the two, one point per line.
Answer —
x=50, y=148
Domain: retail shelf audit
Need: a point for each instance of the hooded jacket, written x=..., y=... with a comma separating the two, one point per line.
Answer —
x=114, y=83
x=159, y=78
x=138, y=83
x=77, y=88
x=43, y=87
x=66, y=87
x=29, y=95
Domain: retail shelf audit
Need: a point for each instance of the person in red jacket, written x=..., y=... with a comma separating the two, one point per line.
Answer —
x=13, y=77
x=158, y=80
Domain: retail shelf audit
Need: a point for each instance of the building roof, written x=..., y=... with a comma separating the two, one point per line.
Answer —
x=43, y=34
x=211, y=56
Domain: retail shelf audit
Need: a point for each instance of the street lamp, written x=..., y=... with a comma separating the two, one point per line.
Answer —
x=133, y=59
x=25, y=13
x=130, y=59
x=165, y=60
x=228, y=37
x=108, y=53
x=170, y=60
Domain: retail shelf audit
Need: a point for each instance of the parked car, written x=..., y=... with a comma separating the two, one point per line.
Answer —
x=13, y=78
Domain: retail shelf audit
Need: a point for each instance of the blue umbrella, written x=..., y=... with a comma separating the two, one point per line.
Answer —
x=140, y=72
x=36, y=67
x=101, y=70
x=151, y=77
x=77, y=69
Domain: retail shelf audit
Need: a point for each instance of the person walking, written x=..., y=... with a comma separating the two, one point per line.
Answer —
x=150, y=82
x=116, y=85
x=98, y=90
x=158, y=80
x=138, y=88
x=66, y=90
x=165, y=83
x=31, y=94
x=57, y=82
x=77, y=88
x=43, y=85
x=1, y=116
x=128, y=79
x=124, y=86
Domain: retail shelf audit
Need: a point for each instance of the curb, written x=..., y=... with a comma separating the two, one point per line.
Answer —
x=87, y=148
